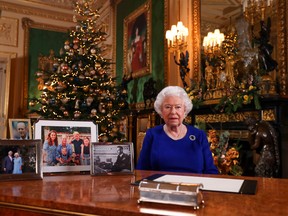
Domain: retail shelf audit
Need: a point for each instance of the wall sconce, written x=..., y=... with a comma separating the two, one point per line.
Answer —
x=212, y=43
x=177, y=36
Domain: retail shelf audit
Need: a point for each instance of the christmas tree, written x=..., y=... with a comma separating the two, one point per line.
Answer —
x=79, y=85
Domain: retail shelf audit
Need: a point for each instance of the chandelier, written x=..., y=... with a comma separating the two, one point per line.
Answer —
x=255, y=9
x=212, y=43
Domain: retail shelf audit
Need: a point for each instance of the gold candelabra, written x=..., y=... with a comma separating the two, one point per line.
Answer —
x=212, y=43
x=255, y=9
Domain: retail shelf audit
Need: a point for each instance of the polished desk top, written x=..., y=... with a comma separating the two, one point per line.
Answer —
x=114, y=195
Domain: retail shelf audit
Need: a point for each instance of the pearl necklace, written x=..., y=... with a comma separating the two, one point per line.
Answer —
x=171, y=135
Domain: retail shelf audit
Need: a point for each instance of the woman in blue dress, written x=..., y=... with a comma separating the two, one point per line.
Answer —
x=174, y=146
x=17, y=164
x=49, y=149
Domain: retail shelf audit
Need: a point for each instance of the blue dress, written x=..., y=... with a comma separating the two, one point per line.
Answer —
x=17, y=165
x=191, y=154
x=50, y=153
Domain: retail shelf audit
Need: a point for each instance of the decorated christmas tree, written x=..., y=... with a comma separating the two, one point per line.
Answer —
x=79, y=84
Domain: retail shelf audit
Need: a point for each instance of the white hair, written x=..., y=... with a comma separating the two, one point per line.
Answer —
x=173, y=91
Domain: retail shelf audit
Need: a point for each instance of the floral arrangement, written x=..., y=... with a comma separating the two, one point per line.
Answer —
x=226, y=157
x=239, y=97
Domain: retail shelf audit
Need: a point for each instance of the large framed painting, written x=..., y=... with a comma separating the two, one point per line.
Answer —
x=137, y=42
x=20, y=160
x=66, y=144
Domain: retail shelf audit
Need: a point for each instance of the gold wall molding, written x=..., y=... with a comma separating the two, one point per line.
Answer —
x=196, y=40
x=266, y=115
x=282, y=45
x=21, y=9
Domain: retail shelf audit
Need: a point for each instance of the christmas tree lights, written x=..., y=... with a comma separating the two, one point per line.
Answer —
x=79, y=84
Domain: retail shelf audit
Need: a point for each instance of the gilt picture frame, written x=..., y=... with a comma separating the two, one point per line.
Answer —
x=112, y=158
x=86, y=130
x=20, y=129
x=137, y=42
x=30, y=165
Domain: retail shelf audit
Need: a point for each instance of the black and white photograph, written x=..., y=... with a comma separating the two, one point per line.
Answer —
x=114, y=158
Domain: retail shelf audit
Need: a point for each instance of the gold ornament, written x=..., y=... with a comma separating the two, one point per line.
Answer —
x=77, y=114
x=32, y=103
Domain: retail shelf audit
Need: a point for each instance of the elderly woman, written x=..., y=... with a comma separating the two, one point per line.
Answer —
x=174, y=146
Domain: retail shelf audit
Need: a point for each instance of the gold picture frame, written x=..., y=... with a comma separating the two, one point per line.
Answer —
x=8, y=31
x=20, y=129
x=137, y=42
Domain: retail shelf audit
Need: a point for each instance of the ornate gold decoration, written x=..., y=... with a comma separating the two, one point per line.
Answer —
x=282, y=38
x=196, y=38
x=36, y=12
x=265, y=115
x=222, y=117
x=269, y=115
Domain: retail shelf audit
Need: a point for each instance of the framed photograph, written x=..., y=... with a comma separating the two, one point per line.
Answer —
x=112, y=158
x=20, y=129
x=8, y=31
x=20, y=159
x=66, y=144
x=137, y=40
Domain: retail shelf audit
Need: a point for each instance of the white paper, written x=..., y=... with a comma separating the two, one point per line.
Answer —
x=210, y=184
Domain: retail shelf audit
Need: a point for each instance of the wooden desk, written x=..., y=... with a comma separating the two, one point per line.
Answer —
x=114, y=195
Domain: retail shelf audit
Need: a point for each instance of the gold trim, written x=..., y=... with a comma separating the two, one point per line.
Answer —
x=166, y=53
x=196, y=39
x=147, y=7
x=268, y=115
x=222, y=117
x=40, y=209
x=114, y=53
x=282, y=45
x=36, y=12
x=265, y=115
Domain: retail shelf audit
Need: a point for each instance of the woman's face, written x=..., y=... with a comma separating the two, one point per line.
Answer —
x=53, y=136
x=86, y=141
x=173, y=111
